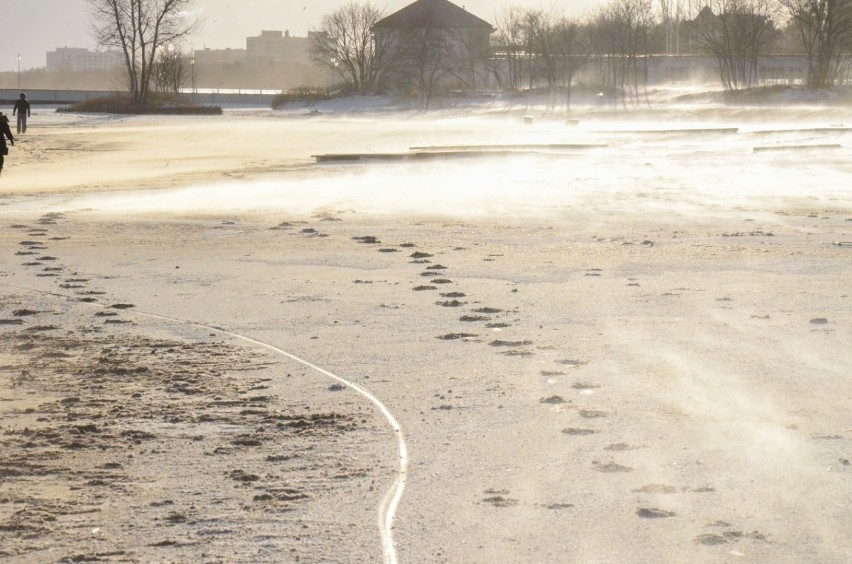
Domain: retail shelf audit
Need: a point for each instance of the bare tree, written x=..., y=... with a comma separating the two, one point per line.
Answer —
x=466, y=57
x=736, y=33
x=825, y=29
x=624, y=29
x=509, y=45
x=141, y=29
x=562, y=47
x=344, y=42
x=420, y=60
x=673, y=12
x=171, y=70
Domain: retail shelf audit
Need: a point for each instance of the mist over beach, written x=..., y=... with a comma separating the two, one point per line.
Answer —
x=654, y=314
x=556, y=287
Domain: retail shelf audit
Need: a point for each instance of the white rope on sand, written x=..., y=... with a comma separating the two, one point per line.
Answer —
x=390, y=502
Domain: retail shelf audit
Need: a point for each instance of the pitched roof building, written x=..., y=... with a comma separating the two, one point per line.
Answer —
x=434, y=14
x=434, y=44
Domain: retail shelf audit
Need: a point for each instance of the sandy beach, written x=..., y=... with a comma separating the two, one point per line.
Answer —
x=635, y=352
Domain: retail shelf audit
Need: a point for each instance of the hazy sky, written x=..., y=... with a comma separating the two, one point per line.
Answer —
x=33, y=27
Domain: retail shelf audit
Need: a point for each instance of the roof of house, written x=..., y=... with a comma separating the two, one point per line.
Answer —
x=440, y=14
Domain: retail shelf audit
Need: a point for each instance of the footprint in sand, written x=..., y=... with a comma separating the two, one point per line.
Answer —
x=25, y=312
x=620, y=447
x=656, y=489
x=612, y=468
x=367, y=240
x=727, y=537
x=441, y=281
x=593, y=414
x=424, y=288
x=572, y=363
x=499, y=343
x=451, y=303
x=472, y=318
x=420, y=255
x=576, y=432
x=497, y=498
x=488, y=310
x=654, y=513
x=456, y=336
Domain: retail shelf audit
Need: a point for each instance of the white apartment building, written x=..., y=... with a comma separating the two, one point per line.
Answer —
x=77, y=59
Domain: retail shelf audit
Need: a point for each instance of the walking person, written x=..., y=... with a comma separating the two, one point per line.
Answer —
x=5, y=132
x=22, y=108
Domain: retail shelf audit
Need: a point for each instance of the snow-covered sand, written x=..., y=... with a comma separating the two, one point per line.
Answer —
x=630, y=353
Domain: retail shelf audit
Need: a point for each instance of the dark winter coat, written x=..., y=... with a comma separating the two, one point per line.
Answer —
x=21, y=106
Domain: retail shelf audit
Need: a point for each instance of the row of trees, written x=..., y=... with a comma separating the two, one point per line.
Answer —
x=529, y=46
x=533, y=46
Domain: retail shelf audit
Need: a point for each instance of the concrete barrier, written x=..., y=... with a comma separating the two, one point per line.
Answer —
x=66, y=97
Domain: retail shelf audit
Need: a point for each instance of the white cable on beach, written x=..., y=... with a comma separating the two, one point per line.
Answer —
x=390, y=502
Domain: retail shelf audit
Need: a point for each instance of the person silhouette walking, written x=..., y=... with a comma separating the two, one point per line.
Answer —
x=22, y=108
x=4, y=133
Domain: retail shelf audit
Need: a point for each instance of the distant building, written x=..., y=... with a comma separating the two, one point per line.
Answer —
x=269, y=46
x=219, y=56
x=468, y=31
x=76, y=59
x=435, y=44
x=274, y=60
x=277, y=46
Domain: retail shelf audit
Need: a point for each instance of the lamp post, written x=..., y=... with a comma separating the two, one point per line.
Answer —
x=192, y=69
x=19, y=71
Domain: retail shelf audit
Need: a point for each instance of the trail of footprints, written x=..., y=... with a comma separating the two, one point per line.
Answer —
x=723, y=533
x=35, y=252
x=170, y=368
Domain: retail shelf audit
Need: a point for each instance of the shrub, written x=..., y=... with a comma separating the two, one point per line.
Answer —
x=311, y=95
x=157, y=104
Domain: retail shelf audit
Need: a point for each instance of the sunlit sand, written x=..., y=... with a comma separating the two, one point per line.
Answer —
x=637, y=351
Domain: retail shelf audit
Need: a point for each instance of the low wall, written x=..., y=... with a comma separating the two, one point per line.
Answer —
x=65, y=97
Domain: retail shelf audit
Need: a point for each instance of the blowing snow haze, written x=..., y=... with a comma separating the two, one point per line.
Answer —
x=44, y=25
